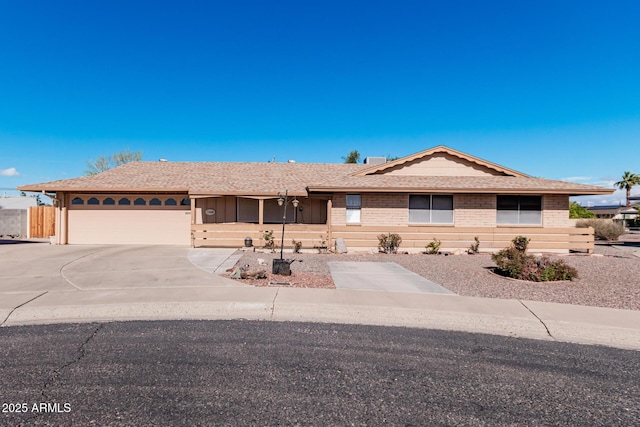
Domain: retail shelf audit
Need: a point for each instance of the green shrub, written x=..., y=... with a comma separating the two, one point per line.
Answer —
x=389, y=243
x=475, y=246
x=521, y=243
x=577, y=211
x=433, y=247
x=297, y=246
x=516, y=263
x=269, y=243
x=512, y=262
x=603, y=229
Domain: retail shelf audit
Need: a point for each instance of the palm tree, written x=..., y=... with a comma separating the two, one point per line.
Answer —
x=627, y=182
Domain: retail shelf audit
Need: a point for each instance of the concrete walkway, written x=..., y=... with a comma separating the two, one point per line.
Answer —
x=381, y=276
x=213, y=260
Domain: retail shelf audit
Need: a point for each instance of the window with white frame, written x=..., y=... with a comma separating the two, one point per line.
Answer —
x=354, y=206
x=519, y=210
x=430, y=209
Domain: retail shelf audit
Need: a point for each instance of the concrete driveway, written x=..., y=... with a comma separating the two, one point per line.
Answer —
x=38, y=267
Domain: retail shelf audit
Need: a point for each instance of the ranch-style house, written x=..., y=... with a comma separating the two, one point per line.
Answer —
x=438, y=193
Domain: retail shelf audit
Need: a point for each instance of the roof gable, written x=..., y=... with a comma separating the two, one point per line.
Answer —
x=440, y=161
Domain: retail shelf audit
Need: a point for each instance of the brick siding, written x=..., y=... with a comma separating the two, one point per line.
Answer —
x=470, y=210
x=555, y=210
x=474, y=210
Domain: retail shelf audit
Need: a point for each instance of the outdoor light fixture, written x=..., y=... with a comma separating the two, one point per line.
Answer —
x=278, y=265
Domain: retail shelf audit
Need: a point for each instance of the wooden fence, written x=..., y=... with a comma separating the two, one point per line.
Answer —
x=233, y=235
x=414, y=238
x=42, y=221
x=451, y=238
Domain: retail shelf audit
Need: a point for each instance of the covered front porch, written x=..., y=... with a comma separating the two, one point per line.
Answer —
x=226, y=221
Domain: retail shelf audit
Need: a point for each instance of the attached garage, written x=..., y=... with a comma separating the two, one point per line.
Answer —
x=137, y=219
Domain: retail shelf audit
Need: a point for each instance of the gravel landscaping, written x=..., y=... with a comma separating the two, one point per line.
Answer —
x=608, y=278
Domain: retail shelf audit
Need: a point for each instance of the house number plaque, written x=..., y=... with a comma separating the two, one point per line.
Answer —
x=210, y=212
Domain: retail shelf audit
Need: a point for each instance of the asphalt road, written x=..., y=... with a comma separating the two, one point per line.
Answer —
x=268, y=373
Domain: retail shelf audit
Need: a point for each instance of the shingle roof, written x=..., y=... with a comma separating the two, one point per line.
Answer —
x=459, y=184
x=225, y=178
x=220, y=178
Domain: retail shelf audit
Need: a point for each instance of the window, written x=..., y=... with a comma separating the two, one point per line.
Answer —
x=154, y=202
x=170, y=202
x=430, y=209
x=124, y=201
x=354, y=206
x=247, y=209
x=93, y=201
x=140, y=202
x=519, y=210
x=185, y=202
x=108, y=201
x=77, y=201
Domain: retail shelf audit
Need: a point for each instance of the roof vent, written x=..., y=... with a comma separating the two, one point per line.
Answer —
x=291, y=161
x=162, y=160
x=375, y=160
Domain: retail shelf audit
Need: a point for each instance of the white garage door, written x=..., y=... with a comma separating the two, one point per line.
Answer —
x=129, y=226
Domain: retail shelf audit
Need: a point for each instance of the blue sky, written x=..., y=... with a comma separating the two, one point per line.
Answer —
x=548, y=88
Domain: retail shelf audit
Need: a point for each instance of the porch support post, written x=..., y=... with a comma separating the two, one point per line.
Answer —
x=63, y=227
x=260, y=211
x=193, y=221
x=329, y=209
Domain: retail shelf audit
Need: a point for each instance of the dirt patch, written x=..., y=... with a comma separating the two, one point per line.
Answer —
x=296, y=280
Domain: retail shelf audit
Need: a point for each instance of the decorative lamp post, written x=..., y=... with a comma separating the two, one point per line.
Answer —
x=278, y=265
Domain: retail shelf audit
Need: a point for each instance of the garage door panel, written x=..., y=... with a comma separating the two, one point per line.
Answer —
x=144, y=226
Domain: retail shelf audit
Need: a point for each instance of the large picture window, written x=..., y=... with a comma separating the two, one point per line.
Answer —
x=519, y=210
x=430, y=209
x=354, y=206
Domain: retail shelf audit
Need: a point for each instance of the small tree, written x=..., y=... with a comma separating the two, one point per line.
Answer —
x=353, y=157
x=576, y=211
x=103, y=163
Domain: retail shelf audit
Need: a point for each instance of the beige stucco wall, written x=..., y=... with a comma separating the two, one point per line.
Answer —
x=441, y=164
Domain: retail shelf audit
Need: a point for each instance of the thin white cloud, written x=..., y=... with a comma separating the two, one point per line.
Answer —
x=576, y=178
x=9, y=172
x=619, y=198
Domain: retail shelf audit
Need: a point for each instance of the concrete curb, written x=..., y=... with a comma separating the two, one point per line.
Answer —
x=513, y=318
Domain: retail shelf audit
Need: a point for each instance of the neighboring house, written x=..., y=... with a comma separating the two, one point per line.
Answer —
x=438, y=193
x=14, y=215
x=616, y=212
x=17, y=202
